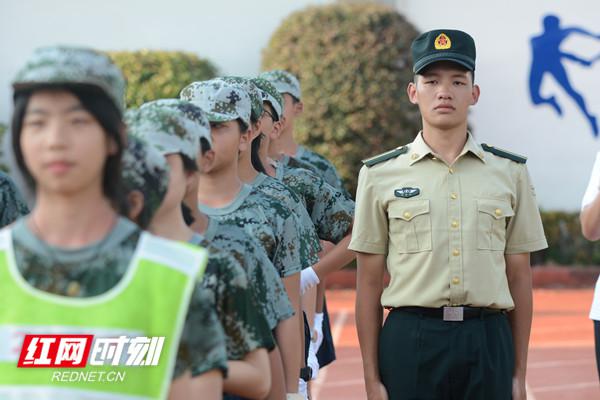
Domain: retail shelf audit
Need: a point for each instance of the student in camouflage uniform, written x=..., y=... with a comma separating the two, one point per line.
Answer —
x=145, y=181
x=68, y=138
x=251, y=172
x=12, y=203
x=176, y=128
x=289, y=86
x=282, y=144
x=264, y=280
x=224, y=197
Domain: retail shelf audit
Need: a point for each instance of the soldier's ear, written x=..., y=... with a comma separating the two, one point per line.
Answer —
x=411, y=91
x=475, y=94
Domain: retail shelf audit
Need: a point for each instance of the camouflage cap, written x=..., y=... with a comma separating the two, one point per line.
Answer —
x=170, y=125
x=250, y=88
x=270, y=94
x=146, y=170
x=284, y=81
x=72, y=65
x=221, y=101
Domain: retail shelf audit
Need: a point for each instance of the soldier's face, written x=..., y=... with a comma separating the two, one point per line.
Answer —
x=444, y=93
x=227, y=143
x=64, y=146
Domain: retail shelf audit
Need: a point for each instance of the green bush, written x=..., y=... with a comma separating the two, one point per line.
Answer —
x=155, y=75
x=353, y=62
x=566, y=244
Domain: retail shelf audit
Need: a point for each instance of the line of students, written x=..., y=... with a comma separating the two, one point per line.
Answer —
x=186, y=218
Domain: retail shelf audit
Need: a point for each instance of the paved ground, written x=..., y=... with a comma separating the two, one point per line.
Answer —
x=561, y=357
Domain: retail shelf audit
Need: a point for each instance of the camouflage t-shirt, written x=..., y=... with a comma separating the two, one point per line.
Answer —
x=275, y=188
x=323, y=166
x=12, y=204
x=331, y=212
x=263, y=279
x=269, y=222
x=95, y=269
x=245, y=326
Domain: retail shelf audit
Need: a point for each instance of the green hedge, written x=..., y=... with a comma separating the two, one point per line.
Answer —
x=353, y=64
x=155, y=75
x=566, y=244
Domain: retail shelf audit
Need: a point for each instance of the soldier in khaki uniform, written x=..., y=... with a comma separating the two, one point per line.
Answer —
x=453, y=222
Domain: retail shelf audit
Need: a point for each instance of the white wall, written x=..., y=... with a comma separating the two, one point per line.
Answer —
x=230, y=33
x=561, y=151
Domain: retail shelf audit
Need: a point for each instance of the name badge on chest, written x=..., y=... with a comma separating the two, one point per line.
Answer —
x=407, y=192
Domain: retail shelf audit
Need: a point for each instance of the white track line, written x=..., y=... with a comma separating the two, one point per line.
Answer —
x=336, y=332
x=559, y=363
x=530, y=395
x=566, y=387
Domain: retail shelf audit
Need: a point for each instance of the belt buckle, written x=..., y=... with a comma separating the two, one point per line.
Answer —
x=454, y=313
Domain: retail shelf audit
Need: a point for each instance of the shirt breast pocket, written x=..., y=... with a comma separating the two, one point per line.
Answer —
x=410, y=225
x=492, y=219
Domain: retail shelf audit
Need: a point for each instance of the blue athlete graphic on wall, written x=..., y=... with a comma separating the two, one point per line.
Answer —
x=547, y=59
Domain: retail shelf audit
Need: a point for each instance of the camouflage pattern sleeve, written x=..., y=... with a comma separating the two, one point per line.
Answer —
x=11, y=202
x=202, y=346
x=263, y=279
x=287, y=258
x=309, y=240
x=244, y=325
x=331, y=212
x=324, y=167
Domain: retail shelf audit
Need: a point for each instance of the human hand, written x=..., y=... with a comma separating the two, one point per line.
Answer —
x=308, y=279
x=376, y=391
x=519, y=391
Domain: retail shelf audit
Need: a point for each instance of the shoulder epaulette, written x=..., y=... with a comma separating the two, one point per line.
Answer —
x=504, y=153
x=369, y=162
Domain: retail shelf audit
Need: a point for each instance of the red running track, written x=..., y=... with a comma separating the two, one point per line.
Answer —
x=561, y=356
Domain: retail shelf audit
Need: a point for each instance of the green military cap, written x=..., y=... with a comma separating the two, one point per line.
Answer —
x=443, y=45
x=72, y=65
x=221, y=101
x=284, y=81
x=270, y=94
x=249, y=87
x=170, y=125
x=145, y=169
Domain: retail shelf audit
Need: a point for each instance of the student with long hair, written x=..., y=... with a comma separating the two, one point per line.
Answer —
x=73, y=265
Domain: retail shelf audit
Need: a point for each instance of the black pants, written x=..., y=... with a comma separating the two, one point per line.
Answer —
x=326, y=353
x=597, y=342
x=422, y=358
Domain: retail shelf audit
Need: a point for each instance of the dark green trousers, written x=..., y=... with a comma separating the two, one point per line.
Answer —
x=423, y=358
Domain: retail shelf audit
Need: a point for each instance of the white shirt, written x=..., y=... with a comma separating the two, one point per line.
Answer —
x=591, y=193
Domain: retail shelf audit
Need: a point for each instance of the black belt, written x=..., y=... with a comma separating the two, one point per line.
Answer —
x=459, y=313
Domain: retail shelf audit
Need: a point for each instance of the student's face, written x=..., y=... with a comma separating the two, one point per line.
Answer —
x=444, y=93
x=292, y=110
x=63, y=145
x=266, y=121
x=227, y=143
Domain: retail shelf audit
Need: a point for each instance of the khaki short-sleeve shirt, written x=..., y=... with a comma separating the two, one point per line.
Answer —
x=446, y=228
